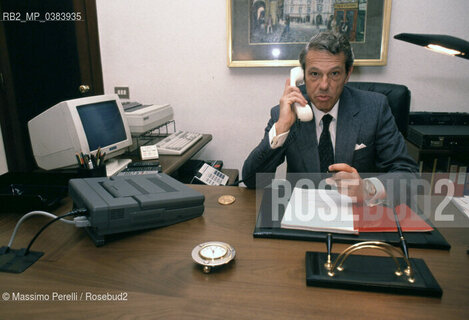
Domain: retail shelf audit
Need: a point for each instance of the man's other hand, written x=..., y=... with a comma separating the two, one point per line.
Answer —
x=347, y=180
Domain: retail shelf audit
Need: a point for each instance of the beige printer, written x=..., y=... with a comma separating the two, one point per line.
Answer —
x=142, y=118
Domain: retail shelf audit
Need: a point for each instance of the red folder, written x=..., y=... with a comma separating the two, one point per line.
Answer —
x=381, y=219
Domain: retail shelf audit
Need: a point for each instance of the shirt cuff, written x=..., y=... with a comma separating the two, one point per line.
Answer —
x=380, y=195
x=276, y=141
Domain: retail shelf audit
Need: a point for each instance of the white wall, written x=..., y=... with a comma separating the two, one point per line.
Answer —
x=176, y=52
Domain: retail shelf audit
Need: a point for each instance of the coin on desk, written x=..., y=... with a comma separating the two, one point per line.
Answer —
x=226, y=199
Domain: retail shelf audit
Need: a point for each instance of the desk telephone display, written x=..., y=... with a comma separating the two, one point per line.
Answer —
x=304, y=113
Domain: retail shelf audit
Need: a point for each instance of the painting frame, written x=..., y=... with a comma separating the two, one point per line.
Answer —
x=244, y=53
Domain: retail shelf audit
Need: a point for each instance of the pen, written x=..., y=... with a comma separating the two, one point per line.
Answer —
x=78, y=158
x=98, y=156
x=82, y=160
x=90, y=162
x=328, y=264
x=401, y=235
x=85, y=161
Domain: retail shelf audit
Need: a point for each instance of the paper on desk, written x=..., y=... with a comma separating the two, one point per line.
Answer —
x=319, y=210
x=462, y=203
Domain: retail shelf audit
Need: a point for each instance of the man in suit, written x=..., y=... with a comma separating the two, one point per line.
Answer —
x=357, y=135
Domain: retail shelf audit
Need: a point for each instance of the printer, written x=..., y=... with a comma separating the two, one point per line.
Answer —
x=142, y=118
x=121, y=204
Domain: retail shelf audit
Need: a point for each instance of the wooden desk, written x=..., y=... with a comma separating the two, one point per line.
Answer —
x=154, y=271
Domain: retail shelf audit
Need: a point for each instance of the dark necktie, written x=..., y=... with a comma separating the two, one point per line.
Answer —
x=326, y=152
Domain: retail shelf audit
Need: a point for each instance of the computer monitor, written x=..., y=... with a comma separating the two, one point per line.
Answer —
x=79, y=125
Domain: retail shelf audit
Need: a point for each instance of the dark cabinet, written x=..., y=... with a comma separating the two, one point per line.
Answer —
x=43, y=61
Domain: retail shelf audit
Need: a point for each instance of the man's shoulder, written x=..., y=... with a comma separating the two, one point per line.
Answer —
x=275, y=111
x=361, y=93
x=363, y=97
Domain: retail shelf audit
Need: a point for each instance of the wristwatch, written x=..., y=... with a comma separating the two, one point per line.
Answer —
x=370, y=193
x=369, y=188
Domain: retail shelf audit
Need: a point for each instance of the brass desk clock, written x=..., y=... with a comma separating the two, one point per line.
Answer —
x=213, y=254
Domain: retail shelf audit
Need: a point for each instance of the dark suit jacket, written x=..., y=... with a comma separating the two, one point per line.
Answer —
x=364, y=118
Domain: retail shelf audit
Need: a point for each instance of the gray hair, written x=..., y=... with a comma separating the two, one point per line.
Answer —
x=332, y=42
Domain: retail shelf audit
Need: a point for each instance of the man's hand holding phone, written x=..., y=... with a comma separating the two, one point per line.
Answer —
x=287, y=117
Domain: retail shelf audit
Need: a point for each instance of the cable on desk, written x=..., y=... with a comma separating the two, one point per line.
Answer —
x=44, y=227
x=47, y=214
x=30, y=214
x=236, y=183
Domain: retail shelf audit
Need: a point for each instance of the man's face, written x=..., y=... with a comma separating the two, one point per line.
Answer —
x=325, y=77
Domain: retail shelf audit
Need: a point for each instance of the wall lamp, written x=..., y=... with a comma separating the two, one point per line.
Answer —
x=438, y=42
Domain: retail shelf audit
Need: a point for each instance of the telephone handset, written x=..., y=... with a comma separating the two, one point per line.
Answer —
x=304, y=113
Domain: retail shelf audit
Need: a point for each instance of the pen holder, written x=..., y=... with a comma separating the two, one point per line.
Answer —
x=92, y=173
x=371, y=273
x=379, y=245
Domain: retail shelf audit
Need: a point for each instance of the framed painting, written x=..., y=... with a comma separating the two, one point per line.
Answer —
x=271, y=33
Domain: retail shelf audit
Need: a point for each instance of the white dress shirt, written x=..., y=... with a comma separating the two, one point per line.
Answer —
x=278, y=141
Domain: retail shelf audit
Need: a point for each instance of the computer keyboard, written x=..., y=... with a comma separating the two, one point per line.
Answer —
x=178, y=142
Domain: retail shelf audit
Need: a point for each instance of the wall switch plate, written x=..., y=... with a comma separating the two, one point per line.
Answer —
x=122, y=92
